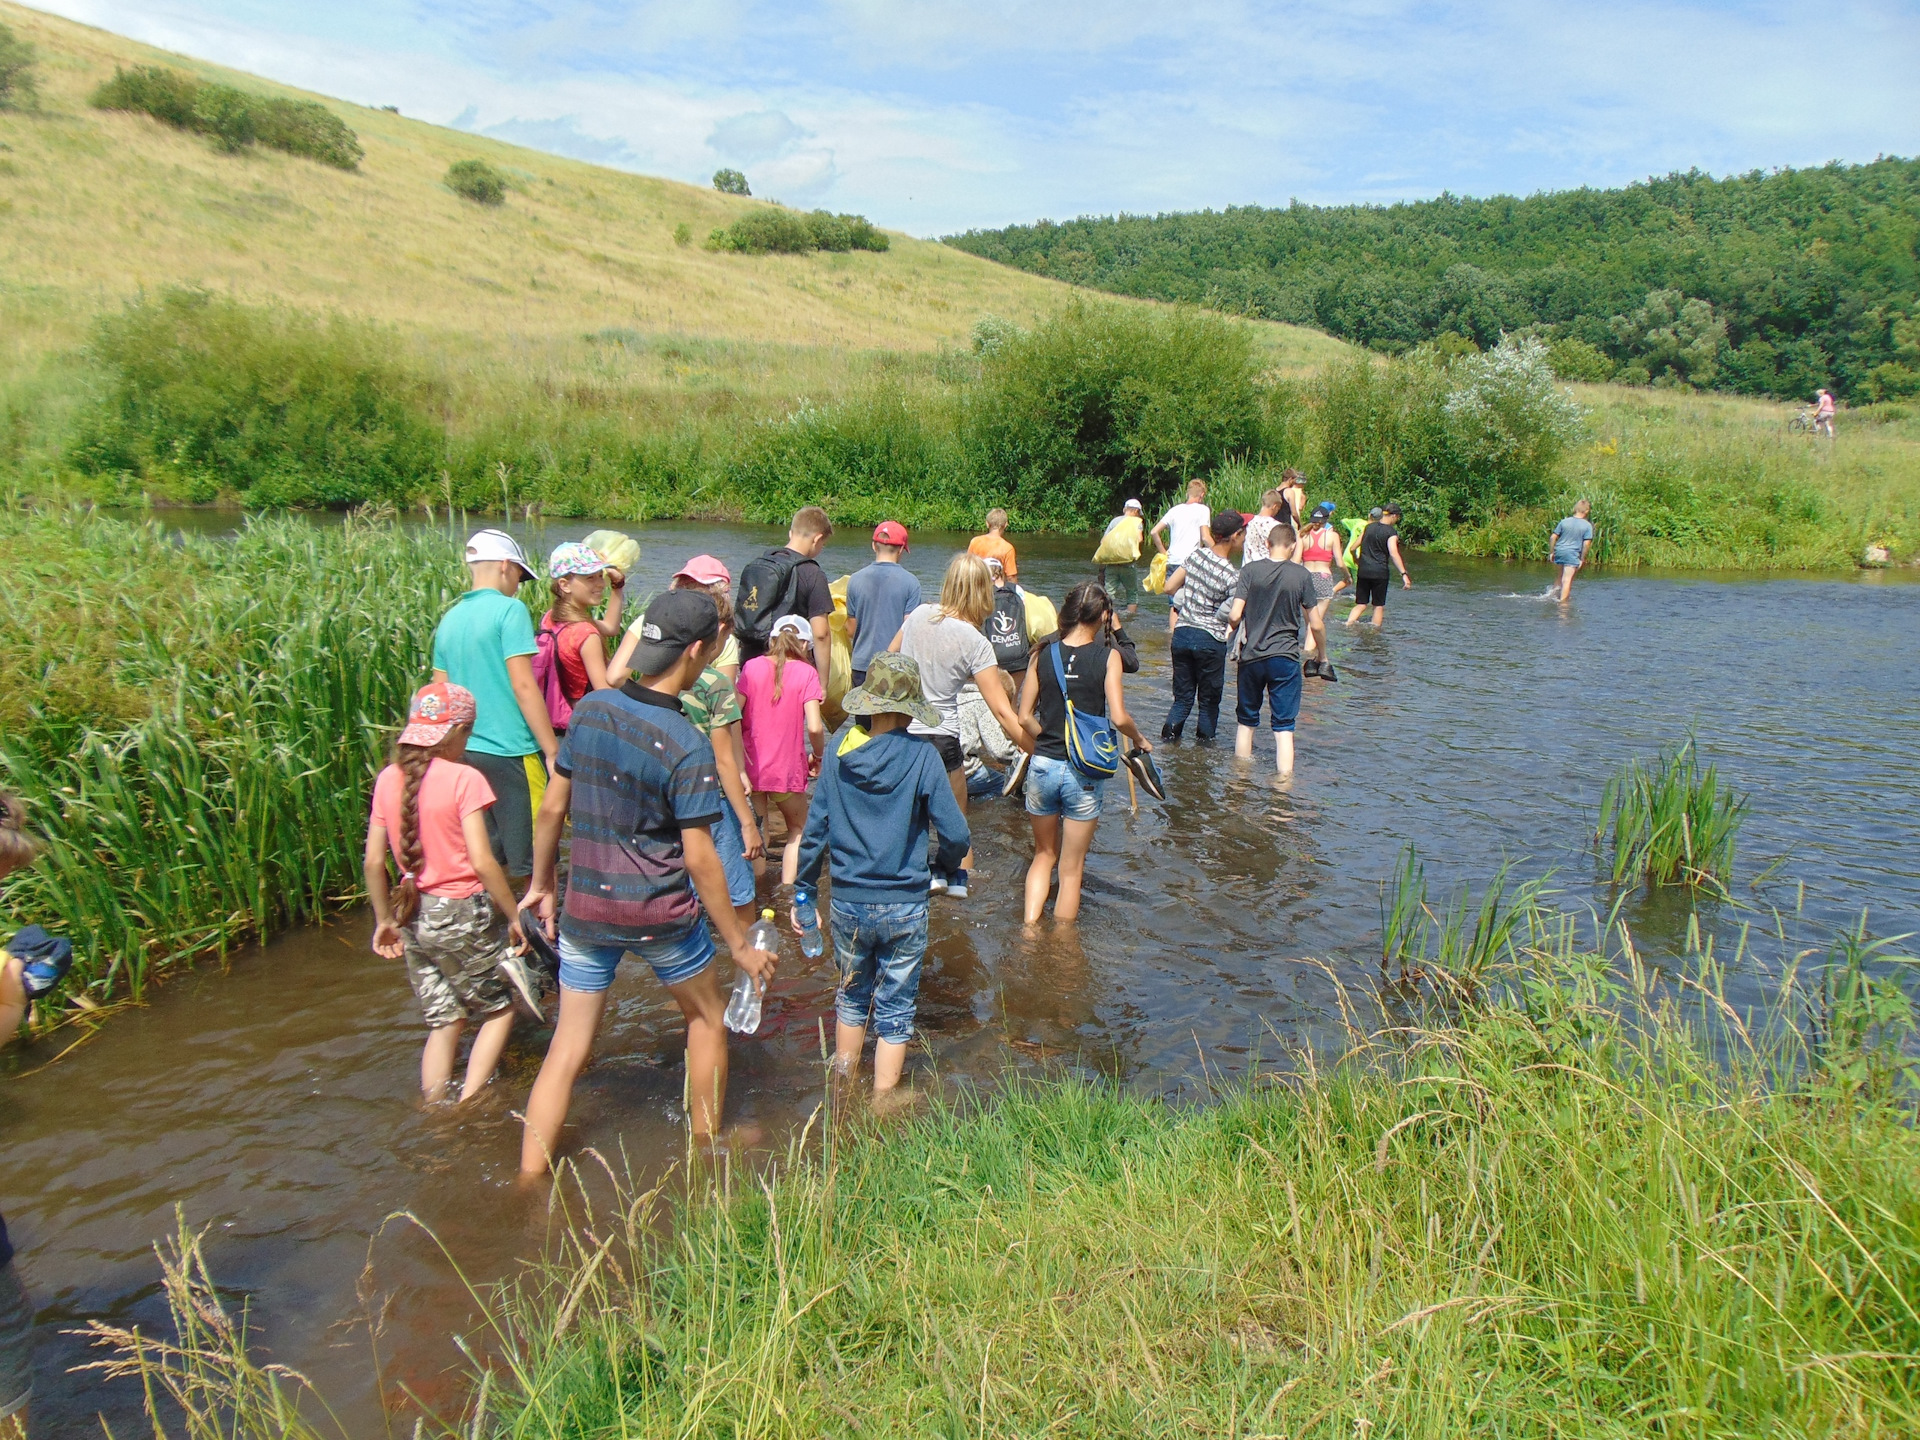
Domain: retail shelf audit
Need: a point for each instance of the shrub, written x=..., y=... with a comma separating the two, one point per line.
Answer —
x=16, y=68
x=829, y=231
x=1506, y=421
x=765, y=230
x=683, y=234
x=1100, y=402
x=234, y=118
x=1577, y=360
x=1672, y=339
x=204, y=395
x=730, y=182
x=861, y=234
x=477, y=181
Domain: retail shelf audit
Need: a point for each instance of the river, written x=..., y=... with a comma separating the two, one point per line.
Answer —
x=275, y=1100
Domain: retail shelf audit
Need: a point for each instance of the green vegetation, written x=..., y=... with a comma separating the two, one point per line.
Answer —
x=775, y=230
x=17, y=84
x=1670, y=821
x=234, y=118
x=477, y=181
x=1577, y=1206
x=730, y=182
x=194, y=724
x=1764, y=284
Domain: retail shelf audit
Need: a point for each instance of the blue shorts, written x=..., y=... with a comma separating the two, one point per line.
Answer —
x=732, y=846
x=1275, y=680
x=1054, y=787
x=879, y=949
x=589, y=968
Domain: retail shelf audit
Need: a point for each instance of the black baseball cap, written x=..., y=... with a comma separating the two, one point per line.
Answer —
x=1391, y=510
x=675, y=620
x=1225, y=523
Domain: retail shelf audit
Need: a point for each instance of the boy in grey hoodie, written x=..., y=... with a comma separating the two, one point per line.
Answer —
x=870, y=814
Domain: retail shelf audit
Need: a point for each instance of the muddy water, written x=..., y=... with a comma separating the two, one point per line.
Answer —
x=273, y=1102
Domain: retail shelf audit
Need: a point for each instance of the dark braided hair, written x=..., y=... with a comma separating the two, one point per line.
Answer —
x=1086, y=604
x=413, y=761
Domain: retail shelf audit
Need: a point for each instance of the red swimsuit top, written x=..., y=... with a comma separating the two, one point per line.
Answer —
x=1317, y=547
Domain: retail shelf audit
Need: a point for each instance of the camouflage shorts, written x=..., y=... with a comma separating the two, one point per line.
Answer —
x=453, y=946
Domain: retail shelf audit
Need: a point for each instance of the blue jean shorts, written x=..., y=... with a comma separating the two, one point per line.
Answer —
x=1275, y=680
x=879, y=949
x=1054, y=787
x=732, y=846
x=589, y=968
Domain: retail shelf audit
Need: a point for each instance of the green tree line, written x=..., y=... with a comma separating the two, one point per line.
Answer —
x=1763, y=284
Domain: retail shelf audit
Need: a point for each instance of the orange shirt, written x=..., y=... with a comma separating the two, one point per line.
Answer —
x=995, y=547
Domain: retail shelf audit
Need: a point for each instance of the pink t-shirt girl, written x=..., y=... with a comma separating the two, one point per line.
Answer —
x=449, y=792
x=775, y=731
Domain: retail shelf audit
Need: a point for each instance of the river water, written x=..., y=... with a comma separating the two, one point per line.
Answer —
x=274, y=1101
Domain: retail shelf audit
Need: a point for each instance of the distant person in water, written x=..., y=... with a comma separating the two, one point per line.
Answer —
x=1186, y=525
x=1379, y=557
x=994, y=545
x=879, y=597
x=1203, y=588
x=1572, y=539
x=1274, y=599
x=1118, y=556
x=1319, y=551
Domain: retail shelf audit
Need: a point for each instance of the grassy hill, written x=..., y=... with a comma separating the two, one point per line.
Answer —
x=574, y=288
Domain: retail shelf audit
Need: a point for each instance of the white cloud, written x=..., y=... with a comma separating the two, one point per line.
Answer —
x=755, y=135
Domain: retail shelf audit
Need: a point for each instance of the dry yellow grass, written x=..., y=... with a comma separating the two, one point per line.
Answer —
x=94, y=206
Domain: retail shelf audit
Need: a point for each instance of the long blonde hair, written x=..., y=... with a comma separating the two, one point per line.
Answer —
x=966, y=591
x=785, y=646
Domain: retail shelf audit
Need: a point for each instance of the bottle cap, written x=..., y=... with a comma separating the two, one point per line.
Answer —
x=766, y=914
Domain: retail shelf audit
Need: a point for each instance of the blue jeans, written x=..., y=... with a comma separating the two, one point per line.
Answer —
x=1276, y=680
x=879, y=949
x=1199, y=675
x=589, y=967
x=732, y=845
x=1054, y=787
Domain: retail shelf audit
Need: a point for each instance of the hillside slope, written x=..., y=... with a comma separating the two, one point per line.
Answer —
x=95, y=206
x=1812, y=276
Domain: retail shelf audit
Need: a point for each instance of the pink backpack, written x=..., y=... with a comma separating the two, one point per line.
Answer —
x=546, y=674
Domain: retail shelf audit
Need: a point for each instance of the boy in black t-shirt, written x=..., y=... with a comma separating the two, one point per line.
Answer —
x=808, y=594
x=1379, y=557
x=1273, y=599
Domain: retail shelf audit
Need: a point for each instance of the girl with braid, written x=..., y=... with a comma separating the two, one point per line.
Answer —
x=453, y=916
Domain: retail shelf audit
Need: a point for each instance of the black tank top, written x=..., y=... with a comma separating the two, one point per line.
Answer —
x=1086, y=670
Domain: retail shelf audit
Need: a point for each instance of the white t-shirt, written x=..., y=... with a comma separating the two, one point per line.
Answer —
x=1184, y=524
x=950, y=653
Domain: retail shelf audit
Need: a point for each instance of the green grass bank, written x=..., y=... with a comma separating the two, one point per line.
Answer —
x=1590, y=1203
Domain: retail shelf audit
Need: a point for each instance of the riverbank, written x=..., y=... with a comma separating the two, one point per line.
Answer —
x=1530, y=1216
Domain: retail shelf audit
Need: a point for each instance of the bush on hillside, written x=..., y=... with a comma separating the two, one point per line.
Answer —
x=477, y=181
x=775, y=230
x=205, y=396
x=1099, y=402
x=730, y=182
x=233, y=118
x=16, y=68
x=1577, y=360
x=1675, y=340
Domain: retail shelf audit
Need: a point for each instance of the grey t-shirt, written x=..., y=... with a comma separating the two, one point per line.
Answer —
x=879, y=597
x=950, y=653
x=1278, y=595
x=1569, y=539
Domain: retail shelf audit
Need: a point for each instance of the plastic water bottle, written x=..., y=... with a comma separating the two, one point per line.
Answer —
x=812, y=942
x=743, y=1010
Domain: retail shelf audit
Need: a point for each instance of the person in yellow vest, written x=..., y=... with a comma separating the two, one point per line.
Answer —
x=1119, y=556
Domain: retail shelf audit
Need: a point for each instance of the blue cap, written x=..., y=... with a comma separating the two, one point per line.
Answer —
x=1325, y=507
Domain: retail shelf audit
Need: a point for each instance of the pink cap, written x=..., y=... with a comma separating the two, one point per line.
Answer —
x=436, y=709
x=704, y=570
x=890, y=532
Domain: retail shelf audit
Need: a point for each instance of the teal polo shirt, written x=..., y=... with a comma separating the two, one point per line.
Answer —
x=473, y=643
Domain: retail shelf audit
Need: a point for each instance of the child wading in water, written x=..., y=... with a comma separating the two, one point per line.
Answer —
x=572, y=658
x=870, y=815
x=453, y=917
x=784, y=733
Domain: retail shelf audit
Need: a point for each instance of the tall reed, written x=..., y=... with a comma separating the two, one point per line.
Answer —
x=1670, y=821
x=194, y=723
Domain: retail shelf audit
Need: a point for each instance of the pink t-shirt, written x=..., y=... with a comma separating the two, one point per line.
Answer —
x=775, y=731
x=448, y=794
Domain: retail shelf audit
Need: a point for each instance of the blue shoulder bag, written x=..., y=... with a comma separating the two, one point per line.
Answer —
x=1093, y=745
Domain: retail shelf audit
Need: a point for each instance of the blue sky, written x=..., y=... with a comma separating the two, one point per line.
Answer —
x=936, y=117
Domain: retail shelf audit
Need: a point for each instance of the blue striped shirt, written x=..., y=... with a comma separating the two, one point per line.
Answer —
x=641, y=771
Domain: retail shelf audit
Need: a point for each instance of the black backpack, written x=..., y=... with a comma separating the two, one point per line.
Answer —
x=1007, y=630
x=765, y=593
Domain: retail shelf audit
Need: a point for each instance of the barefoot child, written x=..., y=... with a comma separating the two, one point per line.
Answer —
x=874, y=802
x=453, y=918
x=784, y=732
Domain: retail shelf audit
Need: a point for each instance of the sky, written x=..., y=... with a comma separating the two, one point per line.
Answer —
x=934, y=118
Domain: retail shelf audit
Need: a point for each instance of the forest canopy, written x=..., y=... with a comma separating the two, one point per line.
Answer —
x=1763, y=283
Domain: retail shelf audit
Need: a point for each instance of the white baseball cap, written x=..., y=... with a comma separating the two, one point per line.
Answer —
x=497, y=545
x=1133, y=505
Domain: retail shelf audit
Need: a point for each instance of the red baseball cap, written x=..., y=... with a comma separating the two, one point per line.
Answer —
x=890, y=532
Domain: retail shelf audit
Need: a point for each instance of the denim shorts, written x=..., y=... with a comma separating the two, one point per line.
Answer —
x=16, y=1343
x=589, y=968
x=732, y=846
x=1054, y=787
x=1275, y=680
x=879, y=949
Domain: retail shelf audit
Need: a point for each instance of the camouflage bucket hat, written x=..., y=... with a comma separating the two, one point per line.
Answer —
x=892, y=688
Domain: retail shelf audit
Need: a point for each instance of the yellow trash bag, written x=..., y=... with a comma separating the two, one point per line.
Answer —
x=1042, y=618
x=839, y=657
x=620, y=551
x=1121, y=544
x=1156, y=581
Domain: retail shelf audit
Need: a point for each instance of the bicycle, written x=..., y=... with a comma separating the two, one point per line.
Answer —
x=1803, y=423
